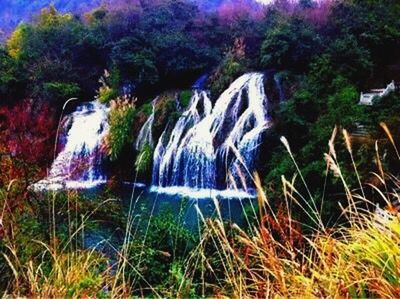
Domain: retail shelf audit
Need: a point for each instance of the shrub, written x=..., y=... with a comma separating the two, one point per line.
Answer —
x=42, y=254
x=233, y=65
x=147, y=109
x=106, y=93
x=166, y=112
x=25, y=141
x=120, y=119
x=158, y=248
x=60, y=91
x=185, y=97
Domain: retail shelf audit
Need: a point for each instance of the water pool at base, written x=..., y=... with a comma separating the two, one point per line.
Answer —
x=144, y=203
x=189, y=205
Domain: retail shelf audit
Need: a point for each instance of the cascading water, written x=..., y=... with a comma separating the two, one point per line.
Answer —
x=158, y=154
x=145, y=136
x=164, y=170
x=79, y=164
x=215, y=148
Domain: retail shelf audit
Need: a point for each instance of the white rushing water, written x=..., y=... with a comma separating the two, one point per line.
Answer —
x=214, y=148
x=164, y=155
x=79, y=164
x=145, y=136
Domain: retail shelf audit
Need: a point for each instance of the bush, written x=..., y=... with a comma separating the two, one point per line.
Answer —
x=234, y=64
x=147, y=109
x=42, y=248
x=185, y=97
x=166, y=112
x=120, y=119
x=355, y=258
x=106, y=93
x=60, y=91
x=159, y=247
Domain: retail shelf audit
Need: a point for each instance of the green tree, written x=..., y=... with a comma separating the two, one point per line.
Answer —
x=290, y=44
x=55, y=53
x=135, y=62
x=11, y=78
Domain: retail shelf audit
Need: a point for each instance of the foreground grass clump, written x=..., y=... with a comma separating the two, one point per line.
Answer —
x=42, y=251
x=359, y=261
x=71, y=274
x=356, y=258
x=49, y=257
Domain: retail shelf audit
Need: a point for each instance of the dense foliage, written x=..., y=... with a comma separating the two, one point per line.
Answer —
x=121, y=118
x=330, y=65
x=148, y=47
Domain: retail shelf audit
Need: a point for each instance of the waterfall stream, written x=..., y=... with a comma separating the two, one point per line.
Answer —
x=214, y=148
x=211, y=148
x=165, y=171
x=79, y=164
x=145, y=136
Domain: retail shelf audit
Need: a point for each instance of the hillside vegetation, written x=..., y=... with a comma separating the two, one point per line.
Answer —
x=317, y=190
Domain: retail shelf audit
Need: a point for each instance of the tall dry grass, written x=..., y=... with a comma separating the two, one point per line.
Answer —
x=53, y=268
x=272, y=258
x=358, y=258
x=68, y=269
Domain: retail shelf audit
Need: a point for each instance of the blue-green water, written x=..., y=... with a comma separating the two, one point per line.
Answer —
x=143, y=204
x=189, y=210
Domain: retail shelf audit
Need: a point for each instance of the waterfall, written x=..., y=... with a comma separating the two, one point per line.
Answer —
x=145, y=136
x=78, y=165
x=215, y=148
x=164, y=170
x=158, y=154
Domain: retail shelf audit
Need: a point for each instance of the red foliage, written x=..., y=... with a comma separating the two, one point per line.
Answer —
x=284, y=6
x=318, y=15
x=281, y=238
x=282, y=229
x=232, y=11
x=26, y=140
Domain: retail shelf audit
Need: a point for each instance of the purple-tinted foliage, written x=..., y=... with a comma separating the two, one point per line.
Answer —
x=14, y=11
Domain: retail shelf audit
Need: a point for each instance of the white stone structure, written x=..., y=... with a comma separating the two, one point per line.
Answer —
x=367, y=98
